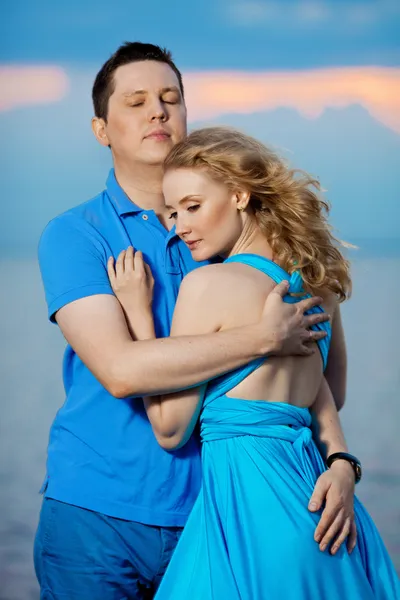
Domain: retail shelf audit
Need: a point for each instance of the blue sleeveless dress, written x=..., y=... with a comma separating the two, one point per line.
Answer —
x=250, y=533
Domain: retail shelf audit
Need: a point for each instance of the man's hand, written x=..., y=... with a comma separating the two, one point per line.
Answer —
x=287, y=324
x=335, y=487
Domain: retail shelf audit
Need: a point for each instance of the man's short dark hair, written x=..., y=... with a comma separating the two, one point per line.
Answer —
x=129, y=52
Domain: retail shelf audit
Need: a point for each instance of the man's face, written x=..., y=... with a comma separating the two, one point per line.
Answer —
x=146, y=113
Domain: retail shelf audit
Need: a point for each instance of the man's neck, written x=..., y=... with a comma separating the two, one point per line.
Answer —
x=142, y=184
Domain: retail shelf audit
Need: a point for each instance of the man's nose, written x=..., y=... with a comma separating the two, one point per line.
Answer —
x=157, y=111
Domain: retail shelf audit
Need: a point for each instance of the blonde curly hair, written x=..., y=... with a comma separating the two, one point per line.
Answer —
x=285, y=202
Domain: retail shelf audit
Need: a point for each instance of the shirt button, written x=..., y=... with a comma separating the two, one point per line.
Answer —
x=145, y=217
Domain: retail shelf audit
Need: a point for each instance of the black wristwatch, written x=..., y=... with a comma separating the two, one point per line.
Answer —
x=353, y=460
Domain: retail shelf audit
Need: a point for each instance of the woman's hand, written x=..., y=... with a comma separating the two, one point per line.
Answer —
x=132, y=283
x=335, y=487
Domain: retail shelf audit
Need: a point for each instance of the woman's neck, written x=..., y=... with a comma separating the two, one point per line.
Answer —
x=252, y=241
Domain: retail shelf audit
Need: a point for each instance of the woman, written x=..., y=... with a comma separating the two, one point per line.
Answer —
x=250, y=534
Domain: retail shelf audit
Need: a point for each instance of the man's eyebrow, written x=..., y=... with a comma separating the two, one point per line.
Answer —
x=136, y=92
x=143, y=92
x=184, y=199
x=170, y=89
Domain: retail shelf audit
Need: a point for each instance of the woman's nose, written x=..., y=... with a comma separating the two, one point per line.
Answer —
x=182, y=228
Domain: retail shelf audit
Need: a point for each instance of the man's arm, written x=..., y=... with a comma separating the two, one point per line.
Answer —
x=73, y=262
x=96, y=329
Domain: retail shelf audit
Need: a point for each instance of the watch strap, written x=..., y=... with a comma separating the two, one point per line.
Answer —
x=353, y=460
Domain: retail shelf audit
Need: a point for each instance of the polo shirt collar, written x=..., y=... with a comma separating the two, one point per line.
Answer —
x=118, y=196
x=125, y=206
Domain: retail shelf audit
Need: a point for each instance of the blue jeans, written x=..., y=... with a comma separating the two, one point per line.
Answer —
x=84, y=555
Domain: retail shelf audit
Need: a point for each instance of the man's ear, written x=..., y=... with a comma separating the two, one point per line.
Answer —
x=100, y=131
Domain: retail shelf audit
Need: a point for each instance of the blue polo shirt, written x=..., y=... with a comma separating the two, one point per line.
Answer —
x=102, y=453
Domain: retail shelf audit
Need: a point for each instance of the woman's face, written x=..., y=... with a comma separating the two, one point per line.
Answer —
x=204, y=211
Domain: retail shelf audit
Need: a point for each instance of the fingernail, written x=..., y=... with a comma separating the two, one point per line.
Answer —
x=312, y=505
x=323, y=547
x=317, y=538
x=334, y=549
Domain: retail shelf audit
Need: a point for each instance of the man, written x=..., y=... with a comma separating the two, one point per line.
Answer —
x=115, y=502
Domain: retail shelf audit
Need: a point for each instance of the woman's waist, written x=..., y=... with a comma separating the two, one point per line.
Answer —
x=227, y=417
x=211, y=432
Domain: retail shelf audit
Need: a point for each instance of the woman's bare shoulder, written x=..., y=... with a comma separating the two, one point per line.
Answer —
x=218, y=277
x=225, y=288
x=201, y=301
x=214, y=296
x=203, y=274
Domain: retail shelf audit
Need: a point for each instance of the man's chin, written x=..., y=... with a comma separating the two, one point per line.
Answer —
x=155, y=158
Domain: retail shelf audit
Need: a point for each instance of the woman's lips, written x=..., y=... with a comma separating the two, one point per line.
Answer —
x=193, y=245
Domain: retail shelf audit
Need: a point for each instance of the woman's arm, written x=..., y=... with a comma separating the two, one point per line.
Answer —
x=173, y=416
x=336, y=369
x=327, y=430
x=335, y=487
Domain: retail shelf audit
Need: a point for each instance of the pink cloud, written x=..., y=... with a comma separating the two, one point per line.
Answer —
x=214, y=93
x=377, y=89
x=22, y=85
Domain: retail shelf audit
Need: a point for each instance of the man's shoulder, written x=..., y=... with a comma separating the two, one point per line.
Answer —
x=79, y=213
x=76, y=220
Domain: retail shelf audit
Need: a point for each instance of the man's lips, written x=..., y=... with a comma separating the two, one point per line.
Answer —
x=158, y=135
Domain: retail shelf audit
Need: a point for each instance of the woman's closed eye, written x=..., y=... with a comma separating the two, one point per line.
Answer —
x=192, y=208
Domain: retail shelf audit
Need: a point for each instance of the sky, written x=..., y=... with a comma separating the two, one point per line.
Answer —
x=319, y=80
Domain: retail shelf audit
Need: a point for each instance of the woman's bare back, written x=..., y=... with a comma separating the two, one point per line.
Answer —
x=239, y=293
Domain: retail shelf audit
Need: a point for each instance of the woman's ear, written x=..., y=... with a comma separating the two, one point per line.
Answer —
x=242, y=199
